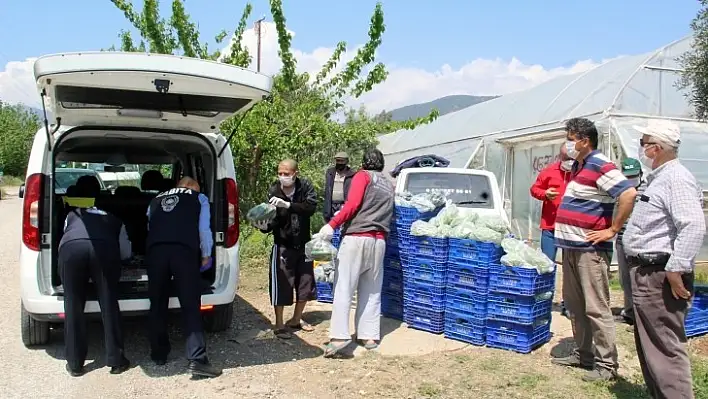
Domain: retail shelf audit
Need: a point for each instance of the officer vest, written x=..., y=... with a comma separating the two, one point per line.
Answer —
x=174, y=218
x=376, y=211
x=91, y=224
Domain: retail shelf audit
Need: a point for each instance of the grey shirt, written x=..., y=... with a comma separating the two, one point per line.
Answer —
x=668, y=218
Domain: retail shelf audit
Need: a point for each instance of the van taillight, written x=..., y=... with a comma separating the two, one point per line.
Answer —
x=30, y=211
x=232, y=200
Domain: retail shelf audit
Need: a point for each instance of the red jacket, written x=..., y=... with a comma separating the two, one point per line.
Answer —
x=550, y=177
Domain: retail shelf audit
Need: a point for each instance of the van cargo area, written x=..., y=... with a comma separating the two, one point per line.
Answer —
x=188, y=154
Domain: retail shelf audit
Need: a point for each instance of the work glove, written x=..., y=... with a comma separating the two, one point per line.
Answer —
x=260, y=224
x=279, y=203
x=207, y=263
x=326, y=232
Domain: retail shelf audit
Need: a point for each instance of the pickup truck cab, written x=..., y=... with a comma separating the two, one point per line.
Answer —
x=471, y=190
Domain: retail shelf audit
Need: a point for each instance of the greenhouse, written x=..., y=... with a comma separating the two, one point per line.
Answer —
x=518, y=134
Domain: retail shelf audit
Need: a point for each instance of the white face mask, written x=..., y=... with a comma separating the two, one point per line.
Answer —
x=567, y=165
x=644, y=159
x=286, y=181
x=634, y=181
x=570, y=148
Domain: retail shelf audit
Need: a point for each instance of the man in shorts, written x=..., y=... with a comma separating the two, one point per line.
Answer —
x=296, y=201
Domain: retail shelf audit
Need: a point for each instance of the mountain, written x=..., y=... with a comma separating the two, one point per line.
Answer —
x=444, y=105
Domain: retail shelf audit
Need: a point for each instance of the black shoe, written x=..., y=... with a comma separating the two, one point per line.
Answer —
x=125, y=366
x=203, y=369
x=75, y=372
x=624, y=319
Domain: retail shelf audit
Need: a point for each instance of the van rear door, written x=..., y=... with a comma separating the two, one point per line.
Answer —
x=146, y=90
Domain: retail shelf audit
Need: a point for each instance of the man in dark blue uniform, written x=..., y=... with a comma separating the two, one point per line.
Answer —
x=179, y=238
x=93, y=244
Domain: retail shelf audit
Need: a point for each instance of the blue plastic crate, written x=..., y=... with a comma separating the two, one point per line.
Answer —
x=422, y=318
x=462, y=250
x=472, y=276
x=325, y=292
x=522, y=338
x=393, y=285
x=464, y=291
x=519, y=280
x=337, y=237
x=699, y=300
x=430, y=296
x=463, y=327
x=393, y=263
x=426, y=271
x=392, y=307
x=518, y=308
x=473, y=304
x=411, y=214
x=429, y=248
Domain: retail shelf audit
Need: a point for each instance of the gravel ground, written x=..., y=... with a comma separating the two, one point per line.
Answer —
x=250, y=368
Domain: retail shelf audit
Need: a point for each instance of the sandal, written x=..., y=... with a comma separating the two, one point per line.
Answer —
x=369, y=345
x=301, y=326
x=282, y=333
x=332, y=348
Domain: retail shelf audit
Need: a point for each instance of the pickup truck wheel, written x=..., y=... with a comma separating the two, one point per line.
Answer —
x=34, y=332
x=219, y=318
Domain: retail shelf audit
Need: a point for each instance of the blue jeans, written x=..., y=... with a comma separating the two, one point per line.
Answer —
x=548, y=244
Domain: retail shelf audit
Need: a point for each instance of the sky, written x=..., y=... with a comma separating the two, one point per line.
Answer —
x=431, y=49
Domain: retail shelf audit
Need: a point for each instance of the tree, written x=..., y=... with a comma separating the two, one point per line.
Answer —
x=18, y=126
x=299, y=119
x=694, y=77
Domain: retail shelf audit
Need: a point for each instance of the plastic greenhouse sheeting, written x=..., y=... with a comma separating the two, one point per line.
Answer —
x=628, y=85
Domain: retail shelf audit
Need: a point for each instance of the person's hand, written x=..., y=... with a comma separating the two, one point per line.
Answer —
x=260, y=224
x=279, y=203
x=551, y=194
x=326, y=232
x=206, y=264
x=596, y=237
x=677, y=287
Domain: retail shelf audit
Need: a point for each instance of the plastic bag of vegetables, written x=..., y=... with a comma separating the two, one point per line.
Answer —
x=320, y=249
x=262, y=213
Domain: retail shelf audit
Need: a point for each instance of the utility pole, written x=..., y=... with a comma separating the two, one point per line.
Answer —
x=259, y=34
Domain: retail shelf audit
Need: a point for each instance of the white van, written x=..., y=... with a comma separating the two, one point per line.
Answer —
x=142, y=109
x=471, y=190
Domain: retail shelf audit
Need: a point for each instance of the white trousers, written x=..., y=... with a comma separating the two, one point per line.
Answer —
x=360, y=270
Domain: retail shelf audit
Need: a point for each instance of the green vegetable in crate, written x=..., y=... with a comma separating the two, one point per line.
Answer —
x=320, y=250
x=261, y=213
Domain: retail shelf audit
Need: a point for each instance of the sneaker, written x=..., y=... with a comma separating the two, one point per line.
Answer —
x=571, y=361
x=599, y=374
x=624, y=319
x=203, y=368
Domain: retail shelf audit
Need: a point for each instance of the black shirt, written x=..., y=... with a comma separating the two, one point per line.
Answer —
x=291, y=227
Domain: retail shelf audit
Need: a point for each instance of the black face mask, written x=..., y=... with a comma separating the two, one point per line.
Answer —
x=340, y=167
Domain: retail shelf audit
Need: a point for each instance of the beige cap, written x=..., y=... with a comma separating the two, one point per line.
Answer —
x=665, y=131
x=341, y=155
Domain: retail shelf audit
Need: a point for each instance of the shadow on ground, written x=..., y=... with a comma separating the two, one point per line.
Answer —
x=249, y=342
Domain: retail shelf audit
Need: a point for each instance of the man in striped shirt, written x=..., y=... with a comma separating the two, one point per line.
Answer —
x=632, y=170
x=584, y=230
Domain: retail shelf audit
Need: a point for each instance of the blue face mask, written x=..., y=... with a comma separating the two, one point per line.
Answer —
x=635, y=181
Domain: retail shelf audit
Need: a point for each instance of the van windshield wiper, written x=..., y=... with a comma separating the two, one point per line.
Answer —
x=470, y=202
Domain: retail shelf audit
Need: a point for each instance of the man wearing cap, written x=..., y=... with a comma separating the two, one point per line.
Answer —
x=661, y=242
x=337, y=181
x=632, y=170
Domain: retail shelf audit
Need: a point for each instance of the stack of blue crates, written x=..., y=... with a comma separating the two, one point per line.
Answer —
x=467, y=289
x=399, y=247
x=519, y=308
x=392, y=290
x=325, y=291
x=697, y=318
x=425, y=280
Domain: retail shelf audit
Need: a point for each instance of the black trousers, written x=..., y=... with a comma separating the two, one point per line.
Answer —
x=164, y=262
x=79, y=260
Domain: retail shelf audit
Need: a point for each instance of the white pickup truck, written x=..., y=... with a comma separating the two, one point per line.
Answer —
x=471, y=190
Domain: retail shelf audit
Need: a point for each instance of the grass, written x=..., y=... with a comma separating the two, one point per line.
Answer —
x=11, y=181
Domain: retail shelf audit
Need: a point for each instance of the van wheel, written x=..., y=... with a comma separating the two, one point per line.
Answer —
x=34, y=332
x=219, y=319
